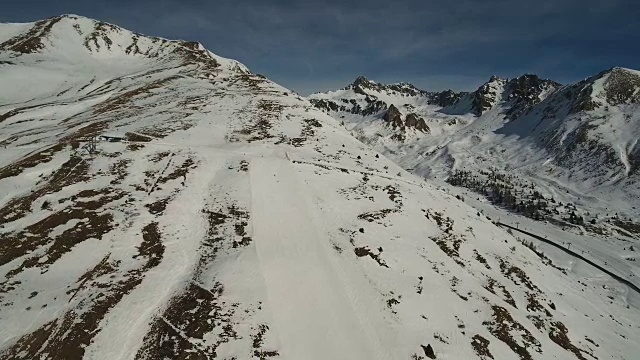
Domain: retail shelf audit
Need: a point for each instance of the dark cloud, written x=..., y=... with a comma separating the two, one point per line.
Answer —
x=311, y=45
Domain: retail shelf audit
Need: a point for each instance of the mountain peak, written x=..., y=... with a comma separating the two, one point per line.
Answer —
x=360, y=80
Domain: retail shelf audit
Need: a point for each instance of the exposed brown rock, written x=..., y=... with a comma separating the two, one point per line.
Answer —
x=393, y=116
x=416, y=122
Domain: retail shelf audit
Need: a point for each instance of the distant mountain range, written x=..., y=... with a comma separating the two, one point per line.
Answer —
x=583, y=134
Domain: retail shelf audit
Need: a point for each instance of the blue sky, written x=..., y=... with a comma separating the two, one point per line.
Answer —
x=310, y=46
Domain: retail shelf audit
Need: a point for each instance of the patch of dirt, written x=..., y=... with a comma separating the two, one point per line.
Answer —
x=73, y=171
x=119, y=171
x=241, y=219
x=226, y=231
x=533, y=305
x=558, y=334
x=481, y=259
x=199, y=320
x=91, y=130
x=394, y=195
x=517, y=275
x=100, y=31
x=481, y=347
x=258, y=342
x=40, y=157
x=135, y=146
x=308, y=131
x=31, y=41
x=268, y=112
x=365, y=251
x=449, y=242
x=505, y=295
x=376, y=215
x=158, y=207
x=69, y=335
x=180, y=172
x=444, y=223
x=454, y=288
x=157, y=157
x=180, y=330
x=512, y=333
x=93, y=224
x=360, y=191
x=11, y=113
x=126, y=99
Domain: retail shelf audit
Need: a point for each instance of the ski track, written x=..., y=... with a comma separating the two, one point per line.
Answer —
x=313, y=315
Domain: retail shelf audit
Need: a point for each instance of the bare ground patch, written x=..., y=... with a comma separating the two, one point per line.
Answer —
x=481, y=347
x=512, y=333
x=67, y=336
x=504, y=294
x=365, y=251
x=449, y=242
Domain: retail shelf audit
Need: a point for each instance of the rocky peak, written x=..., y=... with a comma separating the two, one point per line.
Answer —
x=446, y=98
x=517, y=94
x=529, y=85
x=526, y=91
x=617, y=86
x=406, y=89
x=487, y=95
x=393, y=116
x=622, y=86
x=360, y=80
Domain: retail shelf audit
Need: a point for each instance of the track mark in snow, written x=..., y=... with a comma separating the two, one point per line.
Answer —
x=312, y=314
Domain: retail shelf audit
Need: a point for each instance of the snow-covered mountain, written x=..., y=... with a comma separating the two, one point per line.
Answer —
x=583, y=135
x=158, y=201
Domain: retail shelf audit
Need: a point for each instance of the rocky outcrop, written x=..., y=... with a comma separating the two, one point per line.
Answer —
x=393, y=116
x=487, y=95
x=445, y=98
x=518, y=95
x=622, y=87
x=416, y=122
x=526, y=91
x=350, y=106
x=32, y=40
x=619, y=86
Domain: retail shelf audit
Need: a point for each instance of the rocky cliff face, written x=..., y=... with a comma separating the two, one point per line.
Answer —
x=516, y=95
x=394, y=118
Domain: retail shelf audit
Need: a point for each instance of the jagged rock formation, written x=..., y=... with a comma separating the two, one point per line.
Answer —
x=416, y=122
x=393, y=116
x=518, y=95
x=366, y=96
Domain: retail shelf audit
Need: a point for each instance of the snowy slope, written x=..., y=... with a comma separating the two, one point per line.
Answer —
x=222, y=216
